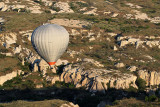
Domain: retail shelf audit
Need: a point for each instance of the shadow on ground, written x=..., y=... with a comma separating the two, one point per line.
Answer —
x=78, y=96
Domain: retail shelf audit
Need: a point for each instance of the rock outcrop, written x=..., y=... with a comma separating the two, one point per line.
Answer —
x=151, y=77
x=7, y=39
x=9, y=76
x=97, y=79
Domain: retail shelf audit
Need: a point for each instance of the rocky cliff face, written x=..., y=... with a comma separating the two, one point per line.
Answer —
x=9, y=76
x=151, y=77
x=97, y=79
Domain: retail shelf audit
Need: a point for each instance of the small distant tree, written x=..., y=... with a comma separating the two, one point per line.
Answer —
x=141, y=84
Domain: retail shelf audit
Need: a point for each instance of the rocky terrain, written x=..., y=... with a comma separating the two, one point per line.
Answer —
x=113, y=45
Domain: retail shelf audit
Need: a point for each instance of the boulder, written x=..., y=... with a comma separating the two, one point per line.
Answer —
x=115, y=48
x=119, y=65
x=132, y=68
x=123, y=43
x=2, y=20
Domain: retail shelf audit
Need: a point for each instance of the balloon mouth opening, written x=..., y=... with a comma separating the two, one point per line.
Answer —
x=51, y=63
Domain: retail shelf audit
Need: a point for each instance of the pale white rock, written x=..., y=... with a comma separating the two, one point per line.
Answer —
x=78, y=85
x=115, y=48
x=70, y=104
x=5, y=8
x=140, y=15
x=53, y=69
x=132, y=40
x=73, y=105
x=52, y=11
x=35, y=68
x=64, y=7
x=132, y=68
x=74, y=32
x=72, y=53
x=149, y=57
x=43, y=65
x=93, y=11
x=55, y=78
x=96, y=63
x=90, y=34
x=9, y=54
x=129, y=16
x=106, y=13
x=26, y=51
x=153, y=43
x=17, y=50
x=138, y=43
x=92, y=39
x=6, y=1
x=111, y=59
x=133, y=6
x=151, y=77
x=90, y=47
x=23, y=62
x=70, y=23
x=83, y=9
x=8, y=38
x=61, y=62
x=35, y=9
x=19, y=7
x=112, y=34
x=2, y=20
x=108, y=2
x=9, y=76
x=39, y=86
x=119, y=65
x=123, y=43
x=108, y=39
x=115, y=14
x=97, y=79
x=155, y=20
x=2, y=5
x=33, y=58
x=120, y=37
x=100, y=87
x=47, y=2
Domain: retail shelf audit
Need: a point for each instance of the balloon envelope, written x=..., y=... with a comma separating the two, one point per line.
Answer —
x=50, y=41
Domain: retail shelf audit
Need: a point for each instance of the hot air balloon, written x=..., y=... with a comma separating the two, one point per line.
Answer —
x=50, y=41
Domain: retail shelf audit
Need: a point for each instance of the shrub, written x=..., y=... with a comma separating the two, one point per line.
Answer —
x=131, y=89
x=64, y=85
x=141, y=84
x=108, y=85
x=26, y=66
x=2, y=56
x=17, y=83
x=151, y=98
x=39, y=1
x=47, y=11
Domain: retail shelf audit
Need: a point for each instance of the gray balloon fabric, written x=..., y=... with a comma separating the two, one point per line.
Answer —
x=50, y=41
